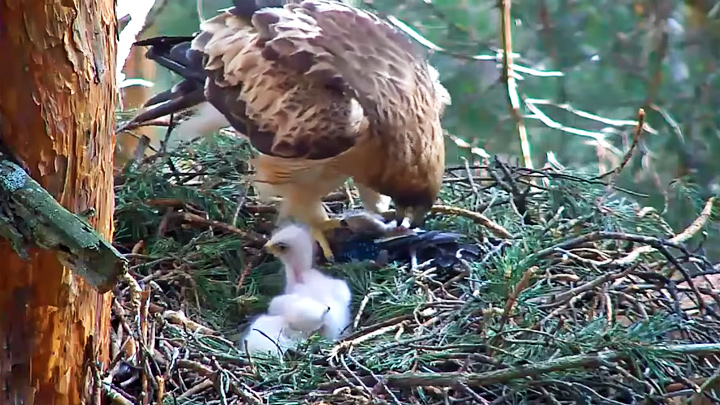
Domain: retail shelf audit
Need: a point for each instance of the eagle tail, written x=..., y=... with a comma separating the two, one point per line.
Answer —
x=173, y=54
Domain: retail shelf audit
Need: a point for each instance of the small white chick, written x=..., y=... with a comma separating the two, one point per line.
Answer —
x=301, y=313
x=269, y=334
x=290, y=319
x=293, y=245
x=336, y=294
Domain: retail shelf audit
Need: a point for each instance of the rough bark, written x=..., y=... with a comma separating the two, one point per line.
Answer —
x=57, y=115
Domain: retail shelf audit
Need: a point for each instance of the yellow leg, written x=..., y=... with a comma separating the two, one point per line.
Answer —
x=319, y=234
x=305, y=206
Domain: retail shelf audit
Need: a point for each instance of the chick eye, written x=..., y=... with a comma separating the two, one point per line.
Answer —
x=281, y=247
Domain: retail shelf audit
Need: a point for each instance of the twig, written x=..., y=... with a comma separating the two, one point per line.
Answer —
x=349, y=342
x=197, y=388
x=563, y=297
x=198, y=220
x=142, y=145
x=509, y=79
x=592, y=117
x=465, y=145
x=477, y=217
x=636, y=139
x=599, y=137
x=511, y=301
x=408, y=380
x=377, y=378
x=708, y=383
x=600, y=235
x=115, y=397
x=683, y=236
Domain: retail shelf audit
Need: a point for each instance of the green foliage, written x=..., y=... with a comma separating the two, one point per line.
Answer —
x=424, y=319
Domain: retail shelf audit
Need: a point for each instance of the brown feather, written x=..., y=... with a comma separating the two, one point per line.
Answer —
x=294, y=115
x=325, y=91
x=402, y=153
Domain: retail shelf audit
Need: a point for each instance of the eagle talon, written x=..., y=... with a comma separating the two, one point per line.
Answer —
x=318, y=233
x=331, y=224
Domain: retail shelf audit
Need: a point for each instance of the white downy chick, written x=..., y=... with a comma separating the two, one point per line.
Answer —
x=269, y=334
x=301, y=313
x=293, y=245
x=290, y=319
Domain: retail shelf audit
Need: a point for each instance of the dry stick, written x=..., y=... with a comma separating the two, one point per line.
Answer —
x=710, y=382
x=197, y=388
x=602, y=235
x=161, y=389
x=351, y=341
x=475, y=150
x=221, y=383
x=477, y=217
x=512, y=300
x=142, y=354
x=688, y=233
x=626, y=159
x=115, y=397
x=473, y=186
x=409, y=380
x=142, y=145
x=507, y=75
x=197, y=219
x=561, y=298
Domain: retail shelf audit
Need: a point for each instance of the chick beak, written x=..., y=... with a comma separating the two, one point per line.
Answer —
x=270, y=247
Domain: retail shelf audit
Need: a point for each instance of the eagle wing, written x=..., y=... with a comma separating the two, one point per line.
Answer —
x=285, y=113
x=350, y=50
x=399, y=150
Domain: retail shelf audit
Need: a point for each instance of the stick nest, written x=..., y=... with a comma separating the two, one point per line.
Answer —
x=580, y=295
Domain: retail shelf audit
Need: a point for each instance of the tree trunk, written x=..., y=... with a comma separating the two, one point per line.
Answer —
x=57, y=98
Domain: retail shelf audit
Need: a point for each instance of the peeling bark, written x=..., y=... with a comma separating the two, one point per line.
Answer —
x=57, y=98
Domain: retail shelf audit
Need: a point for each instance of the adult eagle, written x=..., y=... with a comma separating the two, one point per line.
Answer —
x=324, y=91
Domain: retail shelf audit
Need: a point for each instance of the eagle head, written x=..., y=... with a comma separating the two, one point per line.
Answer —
x=414, y=207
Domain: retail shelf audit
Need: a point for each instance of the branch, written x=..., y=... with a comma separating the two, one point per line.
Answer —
x=29, y=215
x=509, y=79
x=407, y=380
x=476, y=217
x=655, y=243
x=198, y=220
x=683, y=236
x=626, y=159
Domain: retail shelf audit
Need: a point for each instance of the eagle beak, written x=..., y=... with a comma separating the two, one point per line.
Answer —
x=400, y=216
x=417, y=216
x=417, y=223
